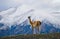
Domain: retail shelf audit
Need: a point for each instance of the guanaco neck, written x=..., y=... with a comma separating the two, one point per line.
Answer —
x=30, y=20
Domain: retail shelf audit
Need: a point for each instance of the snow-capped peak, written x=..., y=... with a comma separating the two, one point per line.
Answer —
x=20, y=14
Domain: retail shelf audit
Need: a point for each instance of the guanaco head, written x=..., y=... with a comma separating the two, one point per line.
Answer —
x=28, y=17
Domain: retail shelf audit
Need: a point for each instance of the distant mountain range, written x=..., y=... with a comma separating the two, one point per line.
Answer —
x=24, y=28
x=14, y=21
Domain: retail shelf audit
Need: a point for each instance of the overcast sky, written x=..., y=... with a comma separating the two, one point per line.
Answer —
x=51, y=5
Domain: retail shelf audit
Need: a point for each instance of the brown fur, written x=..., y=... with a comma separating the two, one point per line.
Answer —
x=35, y=24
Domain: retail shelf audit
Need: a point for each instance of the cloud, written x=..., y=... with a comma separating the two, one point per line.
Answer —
x=6, y=4
x=50, y=5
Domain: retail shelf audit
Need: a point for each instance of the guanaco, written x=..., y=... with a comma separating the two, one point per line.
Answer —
x=34, y=24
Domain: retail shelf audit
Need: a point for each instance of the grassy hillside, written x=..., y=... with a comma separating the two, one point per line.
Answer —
x=35, y=36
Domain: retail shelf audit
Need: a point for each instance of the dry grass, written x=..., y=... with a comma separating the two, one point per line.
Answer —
x=35, y=36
